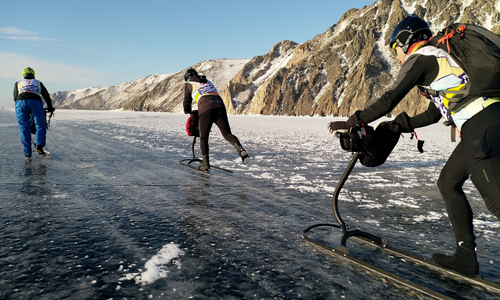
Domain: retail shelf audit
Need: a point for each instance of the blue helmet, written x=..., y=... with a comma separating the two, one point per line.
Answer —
x=410, y=30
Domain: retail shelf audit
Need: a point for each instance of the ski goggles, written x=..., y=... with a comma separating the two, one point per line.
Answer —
x=394, y=48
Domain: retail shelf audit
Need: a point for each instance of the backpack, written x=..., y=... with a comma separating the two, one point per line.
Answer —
x=376, y=144
x=477, y=51
x=192, y=124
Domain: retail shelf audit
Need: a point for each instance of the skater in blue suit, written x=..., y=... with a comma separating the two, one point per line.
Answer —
x=29, y=94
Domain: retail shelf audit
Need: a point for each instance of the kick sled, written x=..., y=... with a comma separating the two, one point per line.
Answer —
x=364, y=237
x=189, y=161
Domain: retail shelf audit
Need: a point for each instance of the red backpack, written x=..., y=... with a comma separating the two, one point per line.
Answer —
x=192, y=124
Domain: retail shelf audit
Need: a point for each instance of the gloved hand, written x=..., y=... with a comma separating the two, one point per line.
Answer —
x=51, y=109
x=335, y=129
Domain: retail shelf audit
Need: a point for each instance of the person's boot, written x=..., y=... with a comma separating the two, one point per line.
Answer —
x=205, y=166
x=464, y=260
x=243, y=154
x=39, y=150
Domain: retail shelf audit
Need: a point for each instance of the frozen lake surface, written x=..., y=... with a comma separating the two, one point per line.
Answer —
x=115, y=216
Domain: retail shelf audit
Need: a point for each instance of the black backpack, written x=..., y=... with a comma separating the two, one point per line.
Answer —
x=376, y=144
x=477, y=51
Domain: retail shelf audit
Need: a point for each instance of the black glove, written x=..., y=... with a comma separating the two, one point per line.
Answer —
x=335, y=129
x=51, y=109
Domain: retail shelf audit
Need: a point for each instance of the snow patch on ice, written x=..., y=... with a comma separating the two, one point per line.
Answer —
x=431, y=216
x=156, y=266
x=408, y=202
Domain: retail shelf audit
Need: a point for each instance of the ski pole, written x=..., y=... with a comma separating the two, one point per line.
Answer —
x=50, y=117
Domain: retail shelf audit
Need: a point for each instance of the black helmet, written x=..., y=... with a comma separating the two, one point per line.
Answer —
x=409, y=31
x=189, y=73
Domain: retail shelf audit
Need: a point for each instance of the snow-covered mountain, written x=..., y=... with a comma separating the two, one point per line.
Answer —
x=71, y=97
x=335, y=73
x=152, y=93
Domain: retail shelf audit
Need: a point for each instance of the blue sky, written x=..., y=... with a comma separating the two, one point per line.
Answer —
x=79, y=44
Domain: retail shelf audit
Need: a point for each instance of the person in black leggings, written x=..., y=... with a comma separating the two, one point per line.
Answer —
x=477, y=156
x=211, y=109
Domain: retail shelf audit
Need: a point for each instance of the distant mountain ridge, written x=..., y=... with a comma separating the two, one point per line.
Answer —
x=152, y=93
x=335, y=73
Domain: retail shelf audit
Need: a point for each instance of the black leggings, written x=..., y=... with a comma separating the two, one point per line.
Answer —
x=219, y=117
x=477, y=157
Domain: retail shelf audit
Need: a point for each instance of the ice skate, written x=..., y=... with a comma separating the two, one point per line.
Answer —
x=39, y=150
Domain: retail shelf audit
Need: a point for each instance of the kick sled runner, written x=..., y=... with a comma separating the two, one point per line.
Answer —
x=194, y=162
x=342, y=251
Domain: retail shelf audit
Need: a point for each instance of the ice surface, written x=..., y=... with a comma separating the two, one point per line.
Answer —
x=114, y=214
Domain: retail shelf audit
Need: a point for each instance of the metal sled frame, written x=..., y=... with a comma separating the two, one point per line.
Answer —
x=361, y=236
x=47, y=125
x=187, y=162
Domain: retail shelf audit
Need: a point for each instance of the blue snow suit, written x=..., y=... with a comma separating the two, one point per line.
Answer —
x=28, y=93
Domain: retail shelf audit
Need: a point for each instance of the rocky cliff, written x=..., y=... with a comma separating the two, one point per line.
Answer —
x=344, y=69
x=347, y=67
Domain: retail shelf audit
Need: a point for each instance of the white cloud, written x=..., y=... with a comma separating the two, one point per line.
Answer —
x=13, y=64
x=14, y=33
